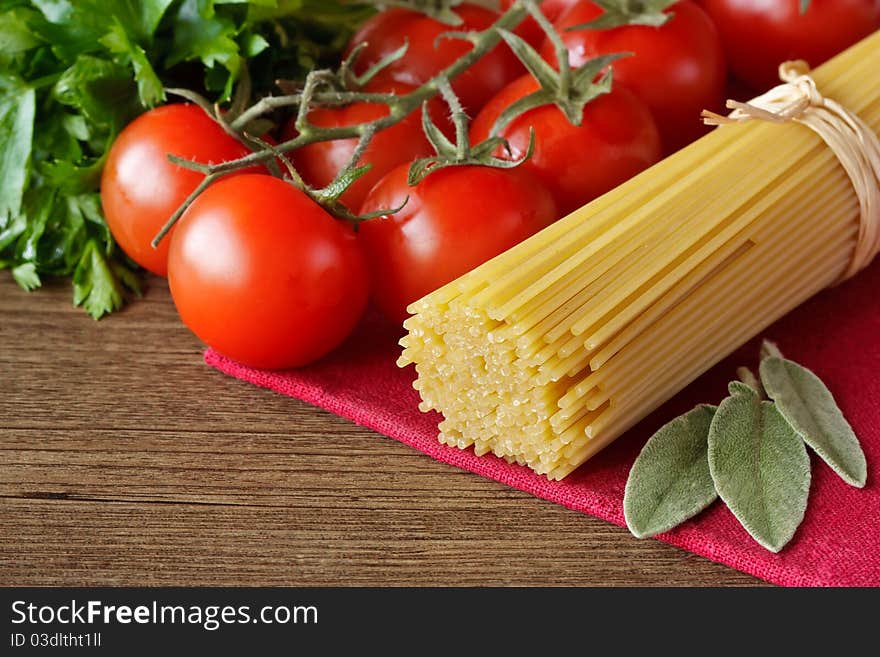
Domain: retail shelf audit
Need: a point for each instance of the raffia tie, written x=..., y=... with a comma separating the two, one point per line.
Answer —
x=852, y=140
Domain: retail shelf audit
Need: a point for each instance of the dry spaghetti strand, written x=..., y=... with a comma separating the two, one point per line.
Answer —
x=551, y=351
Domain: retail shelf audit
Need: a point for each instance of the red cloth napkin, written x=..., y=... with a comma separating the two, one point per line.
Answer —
x=836, y=334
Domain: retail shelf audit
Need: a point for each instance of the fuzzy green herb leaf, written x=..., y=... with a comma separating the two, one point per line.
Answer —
x=760, y=466
x=809, y=407
x=670, y=480
x=748, y=377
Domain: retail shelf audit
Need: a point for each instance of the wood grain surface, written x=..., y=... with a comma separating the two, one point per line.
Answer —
x=124, y=460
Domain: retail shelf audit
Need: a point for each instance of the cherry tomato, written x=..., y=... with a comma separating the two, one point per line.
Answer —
x=319, y=163
x=529, y=28
x=455, y=219
x=616, y=140
x=388, y=30
x=677, y=69
x=141, y=189
x=759, y=35
x=552, y=9
x=264, y=275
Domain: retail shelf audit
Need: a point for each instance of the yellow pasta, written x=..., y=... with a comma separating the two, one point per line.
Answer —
x=550, y=351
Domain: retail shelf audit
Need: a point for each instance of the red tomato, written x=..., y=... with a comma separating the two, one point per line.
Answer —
x=319, y=163
x=388, y=30
x=456, y=219
x=617, y=139
x=141, y=189
x=759, y=35
x=677, y=69
x=529, y=28
x=552, y=9
x=264, y=275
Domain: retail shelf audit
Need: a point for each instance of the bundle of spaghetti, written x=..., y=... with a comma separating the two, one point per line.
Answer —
x=547, y=353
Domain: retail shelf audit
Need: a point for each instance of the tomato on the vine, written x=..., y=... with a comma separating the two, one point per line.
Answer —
x=319, y=163
x=616, y=140
x=261, y=273
x=677, y=69
x=141, y=189
x=455, y=219
x=759, y=35
x=552, y=9
x=529, y=28
x=429, y=52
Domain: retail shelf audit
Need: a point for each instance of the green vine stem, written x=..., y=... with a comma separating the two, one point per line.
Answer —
x=559, y=47
x=569, y=89
x=617, y=13
x=460, y=152
x=442, y=11
x=351, y=81
x=323, y=87
x=459, y=119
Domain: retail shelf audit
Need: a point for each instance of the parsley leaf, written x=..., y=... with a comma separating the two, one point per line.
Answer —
x=17, y=110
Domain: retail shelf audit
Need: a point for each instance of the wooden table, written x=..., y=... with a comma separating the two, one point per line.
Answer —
x=127, y=461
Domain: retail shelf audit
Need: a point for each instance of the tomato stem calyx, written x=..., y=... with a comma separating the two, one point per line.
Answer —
x=569, y=89
x=460, y=152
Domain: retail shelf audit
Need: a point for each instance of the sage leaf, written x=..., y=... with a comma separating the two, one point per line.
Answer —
x=748, y=377
x=760, y=466
x=809, y=407
x=670, y=481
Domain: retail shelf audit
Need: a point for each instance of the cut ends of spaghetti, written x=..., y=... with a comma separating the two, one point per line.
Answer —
x=547, y=353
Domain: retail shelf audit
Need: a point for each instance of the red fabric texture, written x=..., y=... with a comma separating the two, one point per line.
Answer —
x=836, y=334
